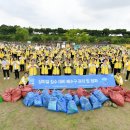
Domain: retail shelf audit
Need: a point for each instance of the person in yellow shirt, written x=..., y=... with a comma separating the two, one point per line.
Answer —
x=32, y=68
x=22, y=62
x=79, y=68
x=127, y=67
x=105, y=67
x=118, y=79
x=67, y=67
x=117, y=65
x=5, y=68
x=44, y=67
x=56, y=69
x=16, y=67
x=24, y=80
x=92, y=67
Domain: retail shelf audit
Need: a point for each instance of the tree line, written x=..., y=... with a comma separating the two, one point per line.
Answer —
x=22, y=34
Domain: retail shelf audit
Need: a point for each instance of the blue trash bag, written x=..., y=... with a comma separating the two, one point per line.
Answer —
x=38, y=101
x=45, y=98
x=68, y=97
x=100, y=96
x=52, y=106
x=57, y=93
x=61, y=105
x=29, y=99
x=85, y=104
x=95, y=102
x=45, y=91
x=71, y=107
x=76, y=99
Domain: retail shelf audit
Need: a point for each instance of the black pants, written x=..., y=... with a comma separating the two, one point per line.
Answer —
x=85, y=72
x=67, y=74
x=16, y=74
x=112, y=68
x=50, y=72
x=127, y=75
x=96, y=70
x=21, y=67
x=116, y=71
x=6, y=73
x=11, y=68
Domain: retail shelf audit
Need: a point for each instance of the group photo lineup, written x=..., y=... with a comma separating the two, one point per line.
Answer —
x=64, y=65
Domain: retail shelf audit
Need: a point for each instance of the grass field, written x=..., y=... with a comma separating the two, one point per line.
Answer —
x=15, y=116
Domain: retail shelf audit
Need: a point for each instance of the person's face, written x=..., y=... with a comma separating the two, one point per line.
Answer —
x=26, y=75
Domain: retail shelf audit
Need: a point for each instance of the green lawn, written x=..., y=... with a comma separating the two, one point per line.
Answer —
x=15, y=116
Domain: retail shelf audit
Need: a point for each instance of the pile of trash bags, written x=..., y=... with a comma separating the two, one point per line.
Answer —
x=14, y=94
x=67, y=103
x=56, y=100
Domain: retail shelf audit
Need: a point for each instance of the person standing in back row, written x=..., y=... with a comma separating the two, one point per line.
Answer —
x=5, y=67
x=127, y=67
x=16, y=67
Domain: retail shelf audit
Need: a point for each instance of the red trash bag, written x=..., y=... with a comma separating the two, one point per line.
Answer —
x=127, y=99
x=127, y=93
x=82, y=92
x=117, y=98
x=16, y=94
x=7, y=95
x=117, y=88
x=26, y=89
x=105, y=91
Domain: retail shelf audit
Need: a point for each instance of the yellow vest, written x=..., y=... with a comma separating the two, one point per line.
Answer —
x=67, y=69
x=118, y=65
x=56, y=70
x=119, y=80
x=128, y=67
x=23, y=81
x=16, y=67
x=22, y=61
x=79, y=70
x=92, y=69
x=85, y=65
x=44, y=69
x=33, y=71
x=104, y=69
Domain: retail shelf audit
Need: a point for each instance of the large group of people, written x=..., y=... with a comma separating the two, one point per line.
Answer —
x=53, y=60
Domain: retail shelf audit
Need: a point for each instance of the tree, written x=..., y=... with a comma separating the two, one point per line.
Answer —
x=22, y=34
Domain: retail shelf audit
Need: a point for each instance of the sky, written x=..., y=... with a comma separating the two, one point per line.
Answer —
x=68, y=14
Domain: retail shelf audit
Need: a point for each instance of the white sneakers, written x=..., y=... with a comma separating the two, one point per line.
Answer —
x=7, y=78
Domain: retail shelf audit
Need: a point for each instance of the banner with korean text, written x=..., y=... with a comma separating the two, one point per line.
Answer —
x=72, y=81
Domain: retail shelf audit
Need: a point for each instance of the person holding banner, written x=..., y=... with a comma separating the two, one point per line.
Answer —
x=24, y=80
x=32, y=68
